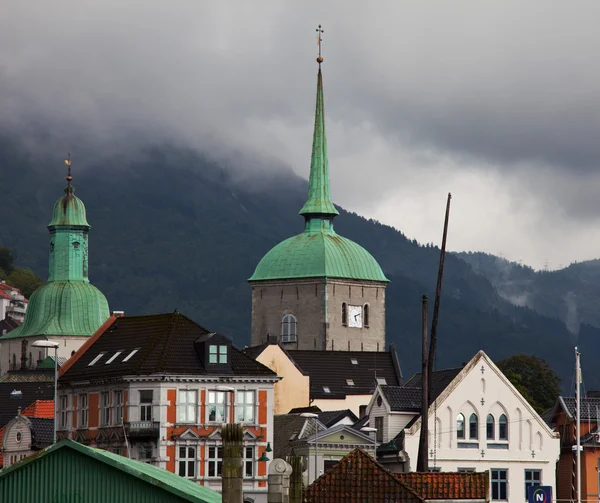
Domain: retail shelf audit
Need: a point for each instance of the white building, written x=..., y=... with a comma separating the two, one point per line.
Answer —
x=477, y=421
x=12, y=302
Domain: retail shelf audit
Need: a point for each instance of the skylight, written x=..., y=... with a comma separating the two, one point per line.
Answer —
x=95, y=360
x=354, y=361
x=110, y=360
x=326, y=389
x=349, y=382
x=382, y=381
x=128, y=357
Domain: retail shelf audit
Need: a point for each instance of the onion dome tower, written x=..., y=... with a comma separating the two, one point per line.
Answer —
x=319, y=290
x=68, y=306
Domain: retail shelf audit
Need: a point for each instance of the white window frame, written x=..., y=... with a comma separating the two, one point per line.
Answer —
x=246, y=406
x=214, y=460
x=187, y=407
x=249, y=462
x=64, y=411
x=118, y=406
x=289, y=328
x=189, y=460
x=212, y=400
x=146, y=407
x=105, y=408
x=82, y=416
x=498, y=480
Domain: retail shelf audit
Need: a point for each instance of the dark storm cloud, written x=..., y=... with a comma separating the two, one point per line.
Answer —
x=496, y=98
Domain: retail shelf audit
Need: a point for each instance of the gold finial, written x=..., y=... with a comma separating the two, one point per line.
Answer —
x=319, y=40
x=68, y=164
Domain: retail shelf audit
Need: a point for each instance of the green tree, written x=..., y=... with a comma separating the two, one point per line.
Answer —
x=533, y=378
x=25, y=280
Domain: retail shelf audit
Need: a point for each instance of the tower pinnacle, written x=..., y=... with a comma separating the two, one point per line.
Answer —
x=319, y=202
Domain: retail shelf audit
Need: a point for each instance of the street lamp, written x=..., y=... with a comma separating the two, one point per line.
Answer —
x=315, y=417
x=52, y=344
x=368, y=429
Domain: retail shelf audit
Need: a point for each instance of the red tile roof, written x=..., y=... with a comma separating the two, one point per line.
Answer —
x=43, y=409
x=358, y=478
x=448, y=485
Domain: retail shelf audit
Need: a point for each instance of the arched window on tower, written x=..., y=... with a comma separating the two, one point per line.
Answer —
x=344, y=313
x=288, y=328
x=366, y=315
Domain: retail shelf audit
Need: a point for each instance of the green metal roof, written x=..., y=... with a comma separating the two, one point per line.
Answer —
x=319, y=200
x=69, y=210
x=66, y=475
x=63, y=308
x=318, y=252
x=68, y=304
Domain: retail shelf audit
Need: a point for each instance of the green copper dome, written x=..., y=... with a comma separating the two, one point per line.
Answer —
x=68, y=304
x=69, y=210
x=318, y=252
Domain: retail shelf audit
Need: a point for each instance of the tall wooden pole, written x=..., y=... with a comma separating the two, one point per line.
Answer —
x=422, y=459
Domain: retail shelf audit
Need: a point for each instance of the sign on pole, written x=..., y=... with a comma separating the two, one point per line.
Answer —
x=539, y=494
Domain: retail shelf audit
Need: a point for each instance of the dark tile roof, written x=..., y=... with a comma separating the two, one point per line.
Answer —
x=30, y=392
x=331, y=417
x=357, y=478
x=37, y=375
x=332, y=369
x=403, y=399
x=8, y=324
x=448, y=485
x=590, y=407
x=362, y=422
x=42, y=430
x=311, y=408
x=440, y=381
x=165, y=343
x=286, y=429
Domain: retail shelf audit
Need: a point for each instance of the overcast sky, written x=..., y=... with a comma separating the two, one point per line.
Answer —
x=496, y=102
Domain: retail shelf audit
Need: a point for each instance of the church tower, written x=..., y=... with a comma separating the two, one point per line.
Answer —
x=319, y=290
x=68, y=308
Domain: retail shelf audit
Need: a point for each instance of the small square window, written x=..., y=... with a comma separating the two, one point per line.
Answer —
x=326, y=389
x=349, y=382
x=382, y=381
x=354, y=361
x=95, y=360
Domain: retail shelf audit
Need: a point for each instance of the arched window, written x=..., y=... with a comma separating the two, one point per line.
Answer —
x=502, y=428
x=473, y=426
x=491, y=434
x=288, y=328
x=344, y=313
x=460, y=426
x=366, y=315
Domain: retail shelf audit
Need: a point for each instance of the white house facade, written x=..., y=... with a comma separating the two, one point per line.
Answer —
x=477, y=422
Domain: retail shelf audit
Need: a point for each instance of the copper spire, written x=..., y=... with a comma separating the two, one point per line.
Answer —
x=68, y=164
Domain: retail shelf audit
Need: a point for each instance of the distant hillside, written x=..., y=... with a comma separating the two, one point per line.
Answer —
x=172, y=230
x=571, y=294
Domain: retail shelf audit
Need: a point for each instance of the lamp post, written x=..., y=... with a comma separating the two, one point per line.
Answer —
x=52, y=344
x=315, y=417
x=372, y=430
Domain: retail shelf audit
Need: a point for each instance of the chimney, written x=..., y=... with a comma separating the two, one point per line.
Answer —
x=233, y=463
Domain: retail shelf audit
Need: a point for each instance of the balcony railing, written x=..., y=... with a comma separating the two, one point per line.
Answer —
x=143, y=429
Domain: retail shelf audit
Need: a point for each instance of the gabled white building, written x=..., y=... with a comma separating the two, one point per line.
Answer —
x=477, y=421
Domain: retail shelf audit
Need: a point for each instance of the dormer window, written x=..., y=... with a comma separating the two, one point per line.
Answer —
x=217, y=353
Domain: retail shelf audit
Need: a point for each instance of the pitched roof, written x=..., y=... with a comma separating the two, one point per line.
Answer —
x=155, y=344
x=40, y=408
x=163, y=480
x=440, y=379
x=356, y=478
x=8, y=324
x=331, y=417
x=589, y=408
x=402, y=398
x=333, y=370
x=286, y=429
x=42, y=430
x=448, y=485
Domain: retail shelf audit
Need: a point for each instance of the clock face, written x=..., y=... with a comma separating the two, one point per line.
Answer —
x=355, y=316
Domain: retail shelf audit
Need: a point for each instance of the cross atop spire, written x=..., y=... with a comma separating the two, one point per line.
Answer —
x=319, y=203
x=68, y=164
x=320, y=32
